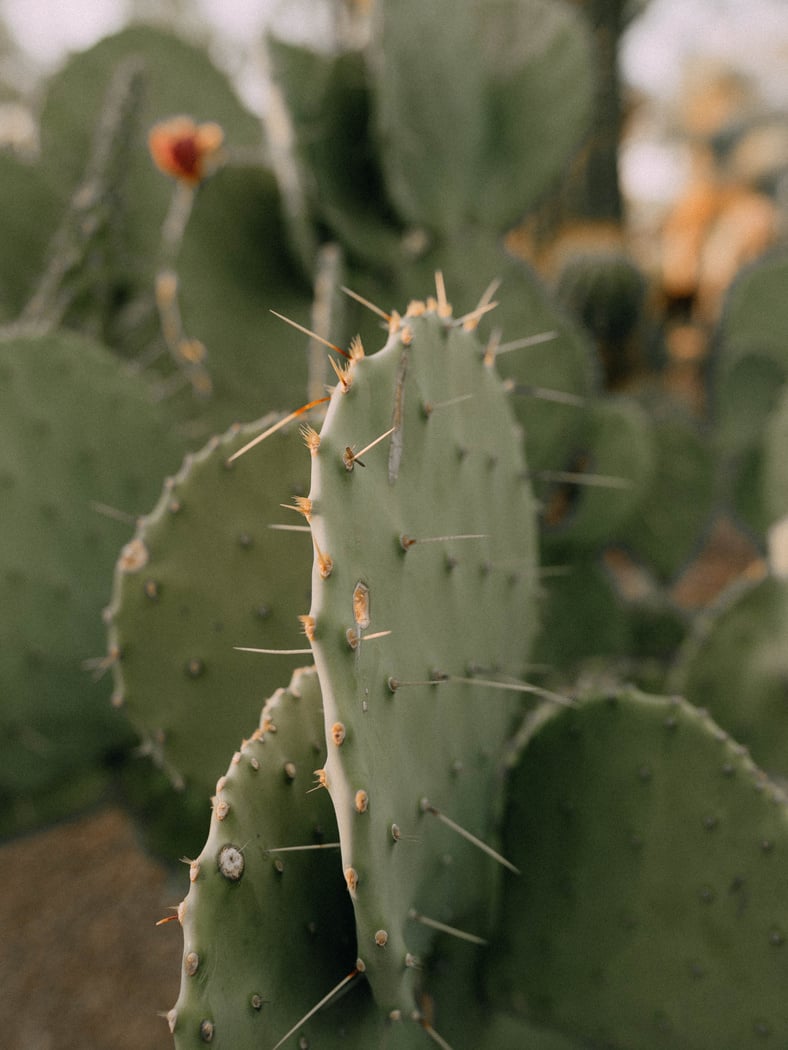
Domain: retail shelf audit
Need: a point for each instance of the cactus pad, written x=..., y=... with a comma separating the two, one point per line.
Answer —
x=652, y=907
x=205, y=573
x=63, y=470
x=268, y=934
x=432, y=543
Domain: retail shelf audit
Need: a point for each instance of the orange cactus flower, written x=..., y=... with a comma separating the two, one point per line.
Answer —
x=184, y=149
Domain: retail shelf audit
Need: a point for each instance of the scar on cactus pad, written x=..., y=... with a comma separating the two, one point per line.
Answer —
x=424, y=589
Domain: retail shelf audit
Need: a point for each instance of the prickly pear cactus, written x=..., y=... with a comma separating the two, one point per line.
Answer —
x=734, y=664
x=651, y=911
x=606, y=478
x=81, y=444
x=483, y=84
x=423, y=594
x=749, y=369
x=206, y=572
x=268, y=927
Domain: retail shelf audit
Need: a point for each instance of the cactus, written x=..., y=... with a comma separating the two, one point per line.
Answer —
x=733, y=664
x=652, y=885
x=605, y=291
x=173, y=622
x=419, y=507
x=749, y=369
x=135, y=254
x=439, y=522
x=357, y=120
x=676, y=510
x=247, y=900
x=606, y=479
x=62, y=473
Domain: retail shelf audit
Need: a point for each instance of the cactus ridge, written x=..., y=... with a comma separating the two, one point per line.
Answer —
x=437, y=522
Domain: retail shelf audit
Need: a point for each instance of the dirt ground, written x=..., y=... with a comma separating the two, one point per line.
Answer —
x=82, y=964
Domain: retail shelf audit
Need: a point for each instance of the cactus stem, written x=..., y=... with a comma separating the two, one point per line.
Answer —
x=313, y=335
x=516, y=687
x=351, y=458
x=434, y=924
x=300, y=849
x=277, y=426
x=406, y=542
x=323, y=1002
x=526, y=341
x=430, y=406
x=604, y=481
x=468, y=322
x=365, y=302
x=272, y=652
x=541, y=393
x=427, y=807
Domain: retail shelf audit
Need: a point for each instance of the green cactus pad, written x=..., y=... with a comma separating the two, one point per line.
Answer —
x=735, y=664
x=774, y=476
x=453, y=606
x=613, y=467
x=671, y=519
x=80, y=439
x=268, y=934
x=204, y=573
x=479, y=105
x=749, y=370
x=652, y=907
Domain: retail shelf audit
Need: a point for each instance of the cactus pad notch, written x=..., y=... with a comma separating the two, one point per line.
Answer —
x=424, y=577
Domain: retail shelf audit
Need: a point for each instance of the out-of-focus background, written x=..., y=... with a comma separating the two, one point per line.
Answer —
x=703, y=157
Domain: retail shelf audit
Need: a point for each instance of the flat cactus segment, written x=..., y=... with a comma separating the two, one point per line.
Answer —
x=669, y=522
x=268, y=933
x=81, y=443
x=424, y=577
x=749, y=371
x=501, y=93
x=735, y=664
x=605, y=480
x=644, y=807
x=204, y=573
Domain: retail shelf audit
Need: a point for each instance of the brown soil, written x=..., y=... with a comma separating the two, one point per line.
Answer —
x=82, y=964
